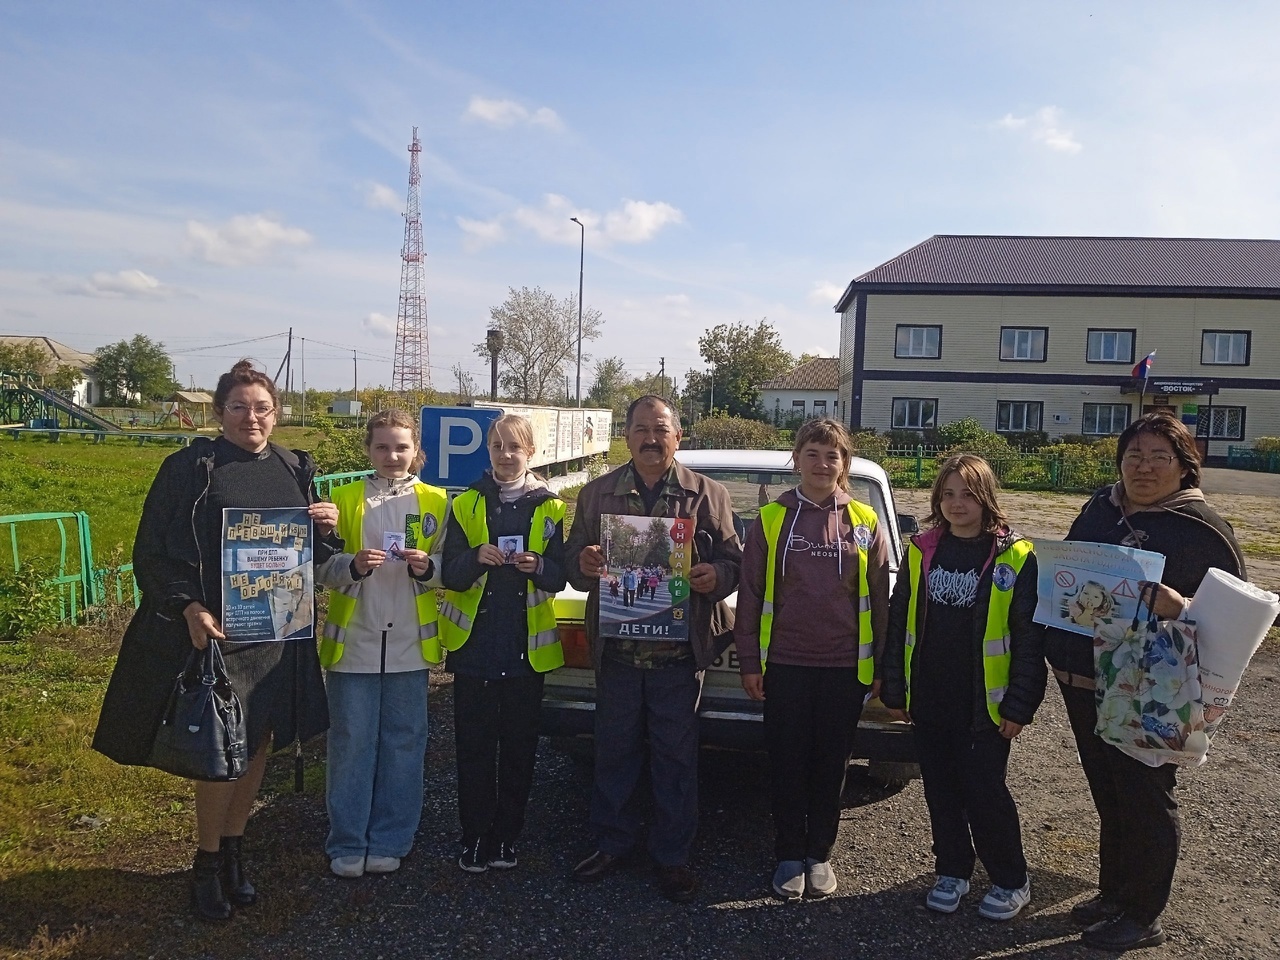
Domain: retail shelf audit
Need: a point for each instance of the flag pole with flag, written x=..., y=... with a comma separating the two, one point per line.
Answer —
x=1141, y=371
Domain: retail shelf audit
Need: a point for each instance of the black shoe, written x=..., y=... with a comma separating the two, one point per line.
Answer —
x=206, y=887
x=235, y=885
x=677, y=884
x=473, y=859
x=1096, y=909
x=1121, y=934
x=503, y=856
x=595, y=867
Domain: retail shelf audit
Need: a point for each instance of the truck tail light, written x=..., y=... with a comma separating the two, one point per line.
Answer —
x=577, y=651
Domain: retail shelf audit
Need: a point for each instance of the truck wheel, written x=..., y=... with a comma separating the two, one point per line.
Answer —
x=892, y=776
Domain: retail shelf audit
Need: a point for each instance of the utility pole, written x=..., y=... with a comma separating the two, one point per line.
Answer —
x=662, y=375
x=355, y=376
x=582, y=252
x=302, y=363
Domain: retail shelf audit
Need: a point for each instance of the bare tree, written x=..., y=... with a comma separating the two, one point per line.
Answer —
x=466, y=382
x=540, y=341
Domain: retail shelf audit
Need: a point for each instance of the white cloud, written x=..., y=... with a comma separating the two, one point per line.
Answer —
x=676, y=300
x=380, y=325
x=825, y=293
x=123, y=285
x=639, y=220
x=636, y=221
x=1044, y=127
x=508, y=113
x=479, y=234
x=378, y=196
x=244, y=239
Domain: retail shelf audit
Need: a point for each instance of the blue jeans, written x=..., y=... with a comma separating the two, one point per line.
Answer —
x=377, y=755
x=662, y=702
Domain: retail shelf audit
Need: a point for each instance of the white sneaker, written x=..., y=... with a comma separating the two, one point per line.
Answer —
x=1001, y=903
x=347, y=866
x=820, y=879
x=381, y=864
x=788, y=879
x=946, y=893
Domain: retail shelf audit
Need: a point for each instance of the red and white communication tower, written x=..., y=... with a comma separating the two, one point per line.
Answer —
x=412, y=367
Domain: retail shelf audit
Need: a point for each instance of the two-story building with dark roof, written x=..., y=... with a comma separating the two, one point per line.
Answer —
x=1044, y=333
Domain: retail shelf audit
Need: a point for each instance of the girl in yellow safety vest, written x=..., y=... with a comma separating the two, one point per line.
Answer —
x=503, y=565
x=380, y=639
x=965, y=664
x=812, y=603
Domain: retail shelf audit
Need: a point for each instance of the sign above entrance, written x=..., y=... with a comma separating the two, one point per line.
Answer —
x=1179, y=388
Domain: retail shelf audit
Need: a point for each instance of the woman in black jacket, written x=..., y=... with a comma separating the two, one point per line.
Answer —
x=1156, y=505
x=176, y=563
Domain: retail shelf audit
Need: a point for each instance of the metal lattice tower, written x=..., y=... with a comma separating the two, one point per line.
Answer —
x=412, y=367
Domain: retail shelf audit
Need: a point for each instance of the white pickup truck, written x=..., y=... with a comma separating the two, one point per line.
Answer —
x=728, y=718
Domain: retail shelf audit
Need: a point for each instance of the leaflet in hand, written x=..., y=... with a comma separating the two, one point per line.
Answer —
x=644, y=593
x=268, y=578
x=1082, y=583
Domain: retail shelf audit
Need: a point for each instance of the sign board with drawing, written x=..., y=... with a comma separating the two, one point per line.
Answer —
x=644, y=594
x=1082, y=583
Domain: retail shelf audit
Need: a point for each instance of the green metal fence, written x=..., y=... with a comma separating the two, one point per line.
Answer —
x=1247, y=458
x=325, y=483
x=1020, y=471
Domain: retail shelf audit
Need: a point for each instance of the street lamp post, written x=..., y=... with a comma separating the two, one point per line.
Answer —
x=493, y=340
x=582, y=251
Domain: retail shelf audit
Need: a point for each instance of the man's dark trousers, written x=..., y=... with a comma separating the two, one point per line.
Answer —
x=662, y=702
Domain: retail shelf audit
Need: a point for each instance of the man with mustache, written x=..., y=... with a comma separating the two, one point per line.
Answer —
x=651, y=686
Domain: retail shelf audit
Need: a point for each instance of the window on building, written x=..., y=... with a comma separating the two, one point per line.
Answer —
x=1221, y=423
x=918, y=342
x=797, y=408
x=1110, y=346
x=1105, y=419
x=1225, y=347
x=1023, y=343
x=913, y=414
x=1018, y=416
x=819, y=408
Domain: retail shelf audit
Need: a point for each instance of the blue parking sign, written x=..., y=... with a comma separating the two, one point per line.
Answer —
x=453, y=438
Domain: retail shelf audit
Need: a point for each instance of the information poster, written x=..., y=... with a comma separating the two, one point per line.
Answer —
x=268, y=578
x=1082, y=583
x=644, y=593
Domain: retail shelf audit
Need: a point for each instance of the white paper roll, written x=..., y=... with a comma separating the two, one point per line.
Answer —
x=1232, y=619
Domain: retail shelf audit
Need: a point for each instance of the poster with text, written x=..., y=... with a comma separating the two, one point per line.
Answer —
x=268, y=579
x=1081, y=583
x=644, y=593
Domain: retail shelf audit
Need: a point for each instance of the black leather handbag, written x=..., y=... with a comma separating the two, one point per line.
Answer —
x=202, y=733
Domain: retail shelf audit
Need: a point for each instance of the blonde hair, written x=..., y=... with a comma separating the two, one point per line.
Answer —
x=829, y=433
x=519, y=427
x=982, y=483
x=403, y=420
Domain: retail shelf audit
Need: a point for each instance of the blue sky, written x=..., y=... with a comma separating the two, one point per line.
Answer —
x=209, y=173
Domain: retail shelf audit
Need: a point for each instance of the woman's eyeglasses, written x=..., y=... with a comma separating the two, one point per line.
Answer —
x=1155, y=459
x=238, y=409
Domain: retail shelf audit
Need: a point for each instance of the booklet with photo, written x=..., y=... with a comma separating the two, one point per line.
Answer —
x=644, y=593
x=268, y=578
x=1083, y=583
x=509, y=546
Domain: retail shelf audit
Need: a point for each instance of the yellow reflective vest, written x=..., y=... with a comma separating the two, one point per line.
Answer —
x=423, y=534
x=863, y=520
x=996, y=643
x=458, y=611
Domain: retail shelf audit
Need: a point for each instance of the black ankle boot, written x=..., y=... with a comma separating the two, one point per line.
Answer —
x=235, y=884
x=206, y=887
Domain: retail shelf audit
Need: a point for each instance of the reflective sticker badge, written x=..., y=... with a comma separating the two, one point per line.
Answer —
x=862, y=534
x=548, y=529
x=1004, y=576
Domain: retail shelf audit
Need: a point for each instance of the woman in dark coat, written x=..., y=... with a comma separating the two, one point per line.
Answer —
x=177, y=566
x=1157, y=505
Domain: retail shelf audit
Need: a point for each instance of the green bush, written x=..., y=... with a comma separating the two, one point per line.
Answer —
x=968, y=435
x=29, y=603
x=1267, y=444
x=730, y=433
x=867, y=444
x=340, y=449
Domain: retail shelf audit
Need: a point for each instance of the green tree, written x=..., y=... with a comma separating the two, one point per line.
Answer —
x=741, y=357
x=23, y=358
x=540, y=341
x=133, y=370
x=610, y=386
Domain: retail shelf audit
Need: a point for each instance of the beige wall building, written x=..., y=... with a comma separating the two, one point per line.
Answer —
x=1045, y=333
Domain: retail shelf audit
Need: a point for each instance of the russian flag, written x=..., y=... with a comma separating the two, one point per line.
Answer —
x=1143, y=368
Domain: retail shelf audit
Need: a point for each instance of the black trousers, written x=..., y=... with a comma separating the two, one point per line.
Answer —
x=970, y=807
x=810, y=717
x=1138, y=810
x=495, y=729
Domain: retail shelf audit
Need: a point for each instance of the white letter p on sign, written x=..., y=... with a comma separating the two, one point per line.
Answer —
x=447, y=446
